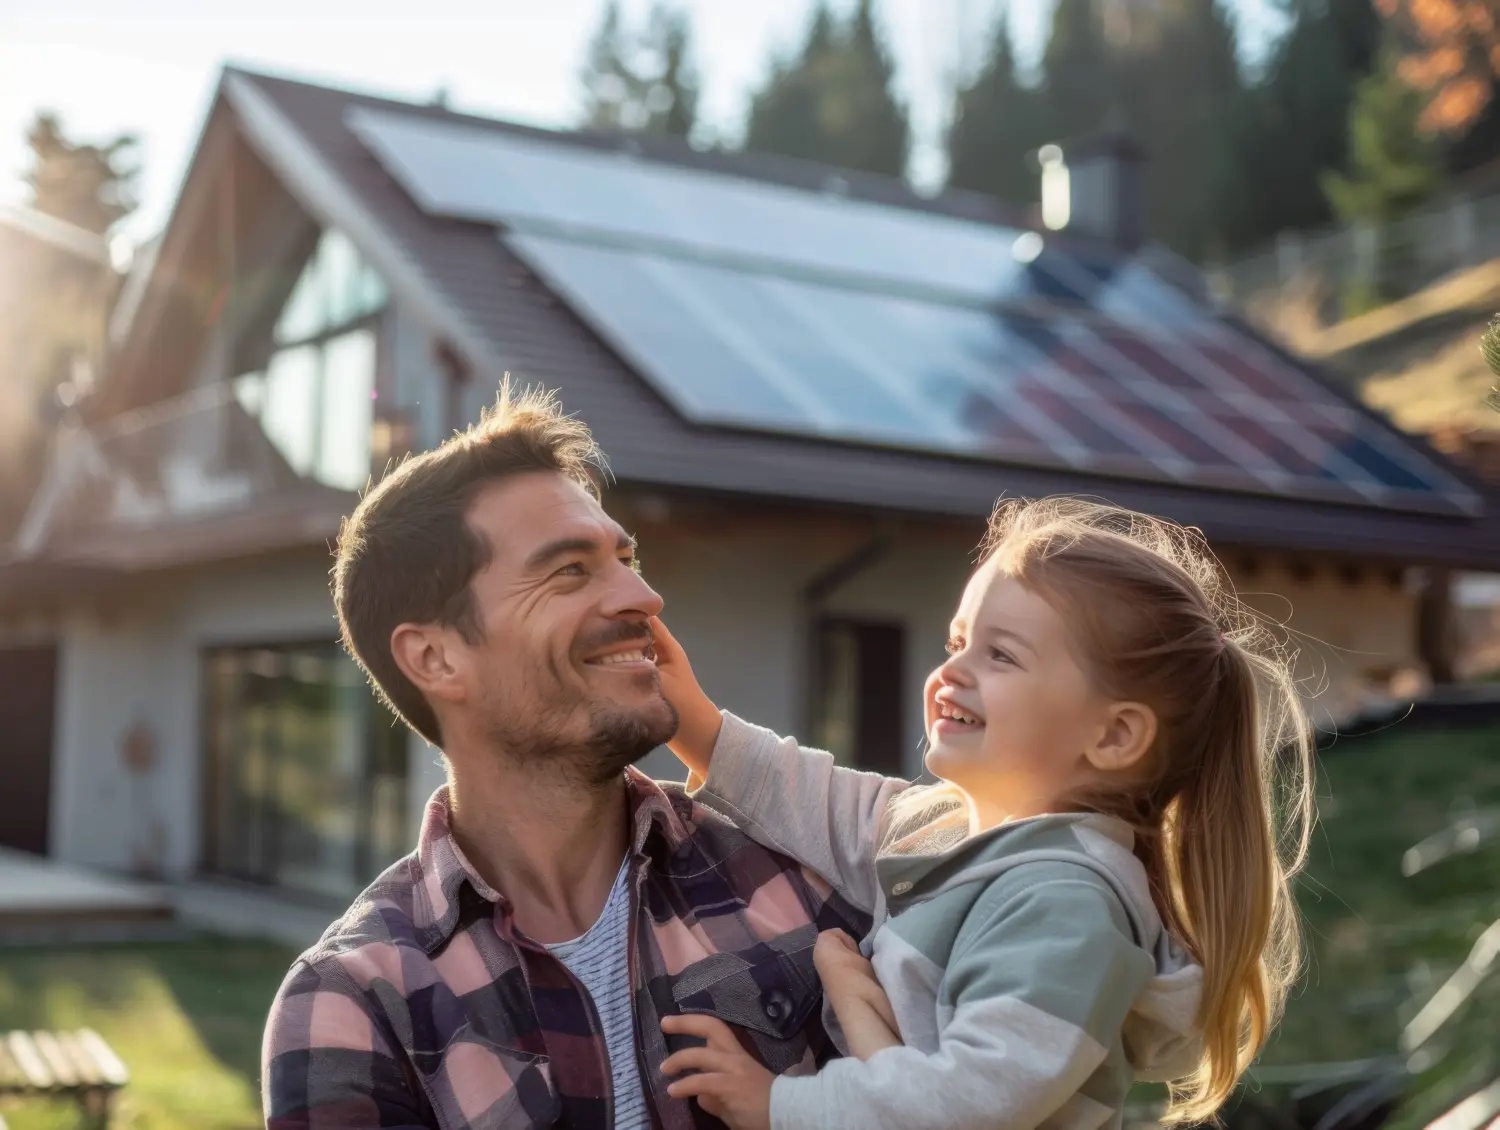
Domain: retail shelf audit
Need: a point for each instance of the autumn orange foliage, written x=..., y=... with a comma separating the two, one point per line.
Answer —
x=1453, y=56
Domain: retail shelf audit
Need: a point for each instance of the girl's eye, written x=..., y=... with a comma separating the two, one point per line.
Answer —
x=1001, y=656
x=954, y=645
x=632, y=563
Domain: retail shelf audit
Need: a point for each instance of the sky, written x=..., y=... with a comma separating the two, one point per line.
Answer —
x=150, y=66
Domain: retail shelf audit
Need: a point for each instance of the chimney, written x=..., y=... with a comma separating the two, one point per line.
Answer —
x=1093, y=187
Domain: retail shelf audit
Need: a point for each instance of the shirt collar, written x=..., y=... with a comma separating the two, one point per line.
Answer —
x=442, y=872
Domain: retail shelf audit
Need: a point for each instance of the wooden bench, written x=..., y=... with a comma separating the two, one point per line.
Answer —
x=70, y=1065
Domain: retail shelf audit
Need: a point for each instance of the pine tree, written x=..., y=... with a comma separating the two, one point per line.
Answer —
x=641, y=81
x=833, y=102
x=1181, y=80
x=1392, y=167
x=1293, y=124
x=1168, y=74
x=607, y=77
x=673, y=98
x=1081, y=83
x=786, y=115
x=92, y=186
x=997, y=124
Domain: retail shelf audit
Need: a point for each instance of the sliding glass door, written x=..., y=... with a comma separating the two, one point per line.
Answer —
x=306, y=771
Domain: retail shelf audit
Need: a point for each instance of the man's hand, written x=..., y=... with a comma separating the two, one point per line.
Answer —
x=698, y=719
x=729, y=1084
x=862, y=1006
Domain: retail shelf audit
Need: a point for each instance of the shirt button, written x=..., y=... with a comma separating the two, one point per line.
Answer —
x=901, y=888
x=777, y=1005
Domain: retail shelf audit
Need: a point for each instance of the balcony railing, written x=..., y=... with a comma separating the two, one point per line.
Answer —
x=197, y=455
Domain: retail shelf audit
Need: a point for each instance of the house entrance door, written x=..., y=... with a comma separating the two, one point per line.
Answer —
x=28, y=698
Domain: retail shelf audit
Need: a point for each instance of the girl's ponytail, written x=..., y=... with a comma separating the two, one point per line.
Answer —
x=1227, y=876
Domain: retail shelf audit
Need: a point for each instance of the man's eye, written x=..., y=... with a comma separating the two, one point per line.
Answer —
x=575, y=569
x=954, y=645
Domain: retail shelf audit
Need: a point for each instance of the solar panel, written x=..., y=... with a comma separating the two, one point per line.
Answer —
x=548, y=187
x=1066, y=388
x=753, y=305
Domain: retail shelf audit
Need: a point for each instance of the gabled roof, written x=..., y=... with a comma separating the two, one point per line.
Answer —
x=474, y=291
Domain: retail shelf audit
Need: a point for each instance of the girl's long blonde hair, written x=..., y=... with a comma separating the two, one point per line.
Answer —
x=1224, y=808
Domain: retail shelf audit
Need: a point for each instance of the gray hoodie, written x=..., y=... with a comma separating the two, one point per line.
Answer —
x=1027, y=966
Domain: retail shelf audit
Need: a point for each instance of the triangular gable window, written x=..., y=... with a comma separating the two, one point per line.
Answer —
x=315, y=397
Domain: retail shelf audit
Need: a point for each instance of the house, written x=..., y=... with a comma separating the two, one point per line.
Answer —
x=812, y=386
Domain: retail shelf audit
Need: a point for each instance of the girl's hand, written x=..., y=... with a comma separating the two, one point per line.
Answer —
x=729, y=1084
x=698, y=719
x=862, y=1006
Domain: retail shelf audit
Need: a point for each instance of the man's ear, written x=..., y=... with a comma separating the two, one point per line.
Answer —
x=1126, y=737
x=426, y=654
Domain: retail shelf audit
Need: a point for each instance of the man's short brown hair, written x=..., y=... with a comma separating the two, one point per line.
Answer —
x=408, y=554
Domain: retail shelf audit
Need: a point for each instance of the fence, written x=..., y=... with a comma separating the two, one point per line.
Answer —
x=1354, y=267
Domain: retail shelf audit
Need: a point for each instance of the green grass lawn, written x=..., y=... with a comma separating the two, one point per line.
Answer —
x=185, y=1017
x=1381, y=944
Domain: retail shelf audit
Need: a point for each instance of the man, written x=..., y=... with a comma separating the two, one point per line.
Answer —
x=514, y=970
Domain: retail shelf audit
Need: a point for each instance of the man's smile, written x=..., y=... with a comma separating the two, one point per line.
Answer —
x=633, y=655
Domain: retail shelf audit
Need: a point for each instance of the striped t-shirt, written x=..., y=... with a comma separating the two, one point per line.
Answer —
x=601, y=960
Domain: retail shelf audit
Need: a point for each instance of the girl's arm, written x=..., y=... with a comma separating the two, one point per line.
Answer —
x=1040, y=983
x=792, y=799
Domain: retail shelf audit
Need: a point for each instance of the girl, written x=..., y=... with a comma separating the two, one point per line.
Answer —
x=1097, y=888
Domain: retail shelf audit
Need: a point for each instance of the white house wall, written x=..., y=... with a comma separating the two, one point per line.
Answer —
x=138, y=660
x=116, y=670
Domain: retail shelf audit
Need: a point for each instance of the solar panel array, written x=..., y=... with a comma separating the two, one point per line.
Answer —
x=757, y=306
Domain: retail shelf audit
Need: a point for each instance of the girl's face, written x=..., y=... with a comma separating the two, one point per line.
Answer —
x=1012, y=717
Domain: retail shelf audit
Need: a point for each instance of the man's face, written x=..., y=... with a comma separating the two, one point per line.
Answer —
x=564, y=673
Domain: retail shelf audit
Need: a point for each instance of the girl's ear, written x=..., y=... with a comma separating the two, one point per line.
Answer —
x=1127, y=735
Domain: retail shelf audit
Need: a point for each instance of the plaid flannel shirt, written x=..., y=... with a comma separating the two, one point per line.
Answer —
x=424, y=1006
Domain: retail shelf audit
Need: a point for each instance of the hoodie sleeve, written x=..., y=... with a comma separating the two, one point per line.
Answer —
x=1041, y=978
x=799, y=802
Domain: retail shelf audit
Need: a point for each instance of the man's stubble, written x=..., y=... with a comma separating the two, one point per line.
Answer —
x=539, y=729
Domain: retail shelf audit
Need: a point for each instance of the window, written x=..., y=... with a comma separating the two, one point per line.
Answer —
x=315, y=398
x=306, y=771
x=858, y=715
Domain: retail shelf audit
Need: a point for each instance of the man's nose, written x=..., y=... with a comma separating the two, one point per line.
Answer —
x=632, y=598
